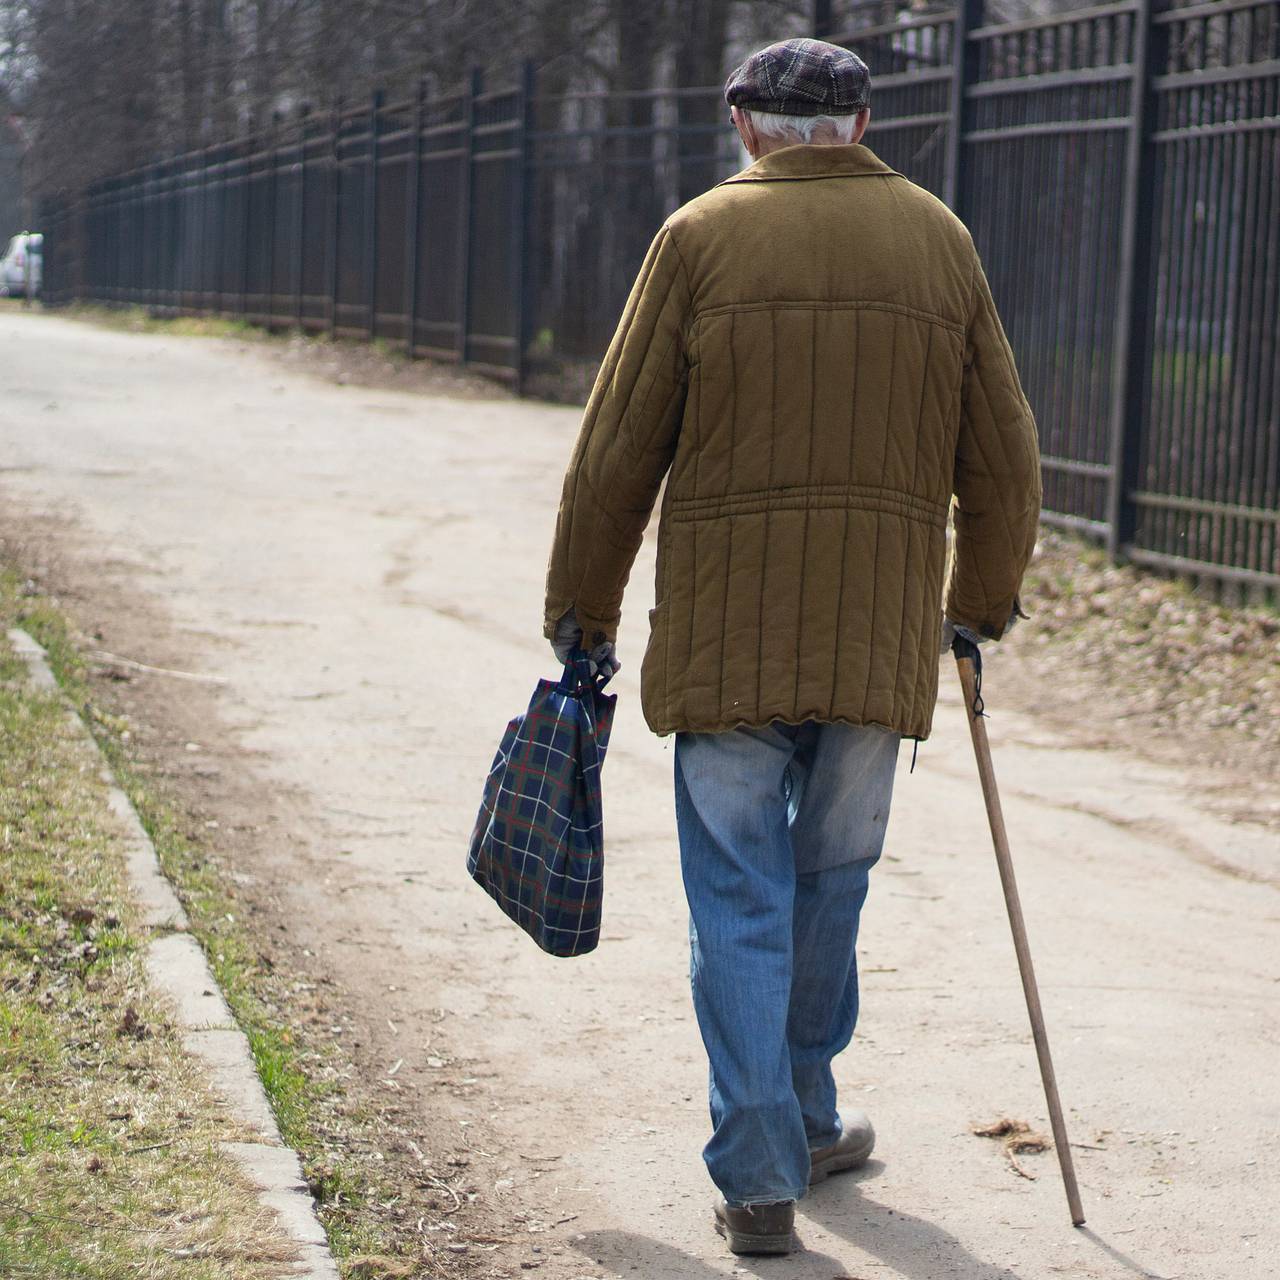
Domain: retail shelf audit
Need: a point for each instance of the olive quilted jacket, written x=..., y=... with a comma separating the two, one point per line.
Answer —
x=812, y=353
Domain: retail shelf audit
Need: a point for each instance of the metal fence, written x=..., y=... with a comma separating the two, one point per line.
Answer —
x=496, y=228
x=401, y=220
x=1119, y=166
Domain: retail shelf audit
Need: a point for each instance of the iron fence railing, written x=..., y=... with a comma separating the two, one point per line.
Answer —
x=1119, y=166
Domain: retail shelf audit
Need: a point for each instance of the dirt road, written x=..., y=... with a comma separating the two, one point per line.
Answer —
x=365, y=567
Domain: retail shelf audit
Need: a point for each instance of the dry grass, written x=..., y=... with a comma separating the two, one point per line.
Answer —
x=109, y=1164
x=379, y=365
x=373, y=1203
x=1184, y=660
x=132, y=319
x=1143, y=661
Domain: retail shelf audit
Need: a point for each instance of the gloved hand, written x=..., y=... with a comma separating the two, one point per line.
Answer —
x=952, y=629
x=568, y=637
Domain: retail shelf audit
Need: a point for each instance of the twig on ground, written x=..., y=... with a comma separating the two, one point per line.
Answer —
x=101, y=655
x=431, y=1178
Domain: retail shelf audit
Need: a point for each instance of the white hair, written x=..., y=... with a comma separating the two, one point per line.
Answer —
x=772, y=124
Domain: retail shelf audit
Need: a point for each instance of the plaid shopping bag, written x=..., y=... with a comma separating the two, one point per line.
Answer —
x=538, y=847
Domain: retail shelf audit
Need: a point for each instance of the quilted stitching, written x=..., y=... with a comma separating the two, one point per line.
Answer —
x=802, y=549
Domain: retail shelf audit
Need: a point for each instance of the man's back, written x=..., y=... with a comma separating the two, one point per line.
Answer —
x=800, y=347
x=830, y=300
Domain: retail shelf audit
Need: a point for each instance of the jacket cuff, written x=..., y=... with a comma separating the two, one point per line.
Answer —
x=555, y=610
x=594, y=630
x=984, y=626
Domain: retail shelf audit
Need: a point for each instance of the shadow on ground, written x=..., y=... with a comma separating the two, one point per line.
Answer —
x=911, y=1247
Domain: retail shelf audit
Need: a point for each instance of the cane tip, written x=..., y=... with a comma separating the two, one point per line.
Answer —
x=1077, y=1222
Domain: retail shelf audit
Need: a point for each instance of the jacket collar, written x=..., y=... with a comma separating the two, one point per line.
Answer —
x=790, y=164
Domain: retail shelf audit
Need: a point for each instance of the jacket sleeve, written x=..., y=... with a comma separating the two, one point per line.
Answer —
x=624, y=448
x=997, y=477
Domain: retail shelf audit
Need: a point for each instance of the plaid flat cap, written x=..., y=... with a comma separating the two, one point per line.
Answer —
x=801, y=78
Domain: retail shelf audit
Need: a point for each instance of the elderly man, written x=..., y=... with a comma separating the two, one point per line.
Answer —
x=812, y=358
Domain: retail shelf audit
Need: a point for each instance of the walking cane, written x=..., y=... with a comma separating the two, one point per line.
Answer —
x=969, y=663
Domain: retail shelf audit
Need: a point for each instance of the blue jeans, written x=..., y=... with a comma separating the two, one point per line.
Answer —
x=779, y=828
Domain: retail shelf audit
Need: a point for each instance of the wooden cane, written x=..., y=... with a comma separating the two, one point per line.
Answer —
x=1004, y=860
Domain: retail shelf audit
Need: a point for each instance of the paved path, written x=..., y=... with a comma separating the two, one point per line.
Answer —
x=365, y=567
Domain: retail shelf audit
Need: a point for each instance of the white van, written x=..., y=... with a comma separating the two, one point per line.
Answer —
x=22, y=267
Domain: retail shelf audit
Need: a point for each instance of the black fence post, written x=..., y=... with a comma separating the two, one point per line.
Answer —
x=128, y=236
x=335, y=212
x=167, y=259
x=138, y=259
x=138, y=241
x=207, y=225
x=121, y=232
x=151, y=238
x=164, y=246
x=131, y=234
x=522, y=223
x=146, y=238
x=106, y=240
x=272, y=201
x=1134, y=292
x=300, y=218
x=226, y=295
x=82, y=214
x=191, y=216
x=821, y=19
x=178, y=232
x=412, y=216
x=475, y=84
x=155, y=237
x=371, y=214
x=964, y=71
x=246, y=172
x=175, y=201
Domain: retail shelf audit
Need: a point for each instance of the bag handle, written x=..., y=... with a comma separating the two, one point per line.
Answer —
x=577, y=677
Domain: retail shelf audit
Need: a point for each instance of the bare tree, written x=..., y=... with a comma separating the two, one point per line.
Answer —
x=109, y=87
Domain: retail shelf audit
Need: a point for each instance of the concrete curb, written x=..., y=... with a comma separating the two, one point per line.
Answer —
x=176, y=967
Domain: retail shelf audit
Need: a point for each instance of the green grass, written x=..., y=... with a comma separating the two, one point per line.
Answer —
x=137, y=319
x=109, y=1163
x=300, y=1090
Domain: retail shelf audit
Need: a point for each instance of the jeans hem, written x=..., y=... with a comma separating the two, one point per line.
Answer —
x=769, y=1199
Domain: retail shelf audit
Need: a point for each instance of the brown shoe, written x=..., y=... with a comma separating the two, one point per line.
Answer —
x=851, y=1149
x=757, y=1228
